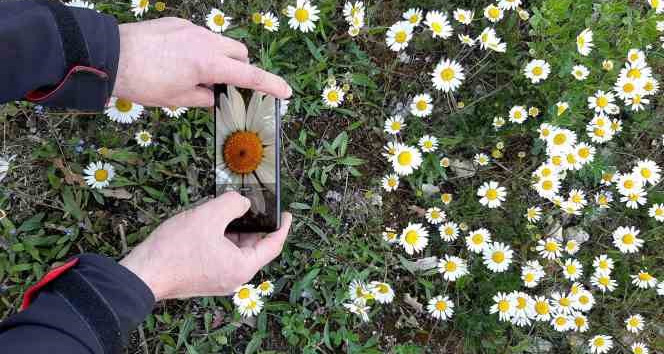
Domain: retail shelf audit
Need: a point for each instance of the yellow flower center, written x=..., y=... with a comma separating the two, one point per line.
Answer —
x=571, y=269
x=396, y=126
x=392, y=182
x=441, y=305
x=450, y=266
x=414, y=18
x=101, y=175
x=421, y=105
x=244, y=293
x=492, y=194
x=521, y=302
x=301, y=15
x=436, y=27
x=412, y=237
x=503, y=305
x=542, y=308
x=333, y=96
x=580, y=41
x=634, y=322
x=571, y=158
x=145, y=137
x=559, y=139
x=603, y=264
x=405, y=158
x=243, y=152
x=537, y=71
x=256, y=18
x=383, y=289
x=628, y=239
x=646, y=173
x=645, y=276
x=498, y=256
x=602, y=101
x=530, y=277
x=447, y=74
x=659, y=212
x=265, y=286
x=564, y=301
x=560, y=321
x=494, y=12
x=400, y=37
x=143, y=4
x=547, y=185
x=477, y=239
x=638, y=350
x=584, y=152
x=628, y=87
x=551, y=246
x=428, y=144
x=219, y=20
x=604, y=280
x=435, y=214
x=599, y=342
x=583, y=299
x=123, y=105
x=449, y=231
x=580, y=322
x=268, y=23
x=634, y=73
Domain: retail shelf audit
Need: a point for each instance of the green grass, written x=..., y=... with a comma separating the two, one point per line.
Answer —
x=331, y=175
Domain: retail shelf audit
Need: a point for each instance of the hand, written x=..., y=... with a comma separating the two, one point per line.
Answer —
x=165, y=62
x=191, y=254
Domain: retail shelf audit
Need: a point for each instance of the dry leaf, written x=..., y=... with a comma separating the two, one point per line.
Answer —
x=409, y=300
x=117, y=193
x=71, y=178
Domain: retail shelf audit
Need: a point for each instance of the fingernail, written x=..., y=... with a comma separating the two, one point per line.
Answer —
x=289, y=90
x=246, y=201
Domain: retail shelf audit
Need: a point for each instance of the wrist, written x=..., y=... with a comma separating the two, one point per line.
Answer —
x=143, y=272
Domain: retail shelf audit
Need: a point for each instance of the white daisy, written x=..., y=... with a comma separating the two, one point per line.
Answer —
x=509, y=4
x=533, y=214
x=464, y=17
x=265, y=288
x=561, y=322
x=359, y=309
x=477, y=240
x=302, y=16
x=414, y=238
x=217, y=21
x=421, y=105
x=600, y=344
x=537, y=70
x=406, y=160
x=584, y=42
x=382, y=292
x=549, y=248
x=629, y=182
x=435, y=215
x=580, y=322
x=394, y=124
x=438, y=24
x=139, y=7
x=580, y=72
x=333, y=96
x=639, y=348
x=174, y=112
x=390, y=182
x=644, y=280
x=466, y=39
x=413, y=16
x=657, y=211
x=452, y=268
x=491, y=194
x=634, y=199
x=390, y=235
x=518, y=114
x=504, y=305
x=531, y=273
x=583, y=301
x=626, y=240
x=603, y=282
x=98, y=175
x=398, y=35
x=562, y=303
x=449, y=231
x=602, y=103
x=270, y=22
x=251, y=308
x=143, y=138
x=572, y=269
x=481, y=159
x=497, y=257
x=448, y=75
x=603, y=264
x=648, y=170
x=123, y=111
x=542, y=308
x=243, y=294
x=441, y=307
x=493, y=13
x=634, y=323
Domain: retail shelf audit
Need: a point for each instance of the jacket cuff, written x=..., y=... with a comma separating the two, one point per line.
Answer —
x=87, y=87
x=116, y=297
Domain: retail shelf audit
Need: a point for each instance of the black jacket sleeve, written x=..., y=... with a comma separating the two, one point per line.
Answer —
x=33, y=58
x=89, y=308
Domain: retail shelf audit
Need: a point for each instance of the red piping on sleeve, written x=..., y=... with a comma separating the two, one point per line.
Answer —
x=41, y=95
x=49, y=277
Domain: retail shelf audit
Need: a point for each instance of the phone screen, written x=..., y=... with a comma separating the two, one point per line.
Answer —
x=247, y=129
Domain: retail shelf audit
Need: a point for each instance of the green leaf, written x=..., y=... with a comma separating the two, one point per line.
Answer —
x=296, y=291
x=254, y=344
x=71, y=205
x=31, y=224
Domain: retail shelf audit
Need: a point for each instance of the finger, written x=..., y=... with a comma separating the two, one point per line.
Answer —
x=268, y=248
x=224, y=46
x=237, y=73
x=197, y=97
x=247, y=240
x=219, y=212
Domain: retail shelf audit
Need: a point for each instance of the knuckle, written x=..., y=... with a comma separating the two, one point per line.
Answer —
x=256, y=78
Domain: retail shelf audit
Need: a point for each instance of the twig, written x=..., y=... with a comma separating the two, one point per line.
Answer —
x=144, y=344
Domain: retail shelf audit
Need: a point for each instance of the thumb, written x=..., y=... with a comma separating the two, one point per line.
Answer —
x=220, y=211
x=269, y=247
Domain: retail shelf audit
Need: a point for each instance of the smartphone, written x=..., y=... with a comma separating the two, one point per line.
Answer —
x=247, y=131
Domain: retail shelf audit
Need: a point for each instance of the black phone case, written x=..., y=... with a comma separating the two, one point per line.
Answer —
x=249, y=222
